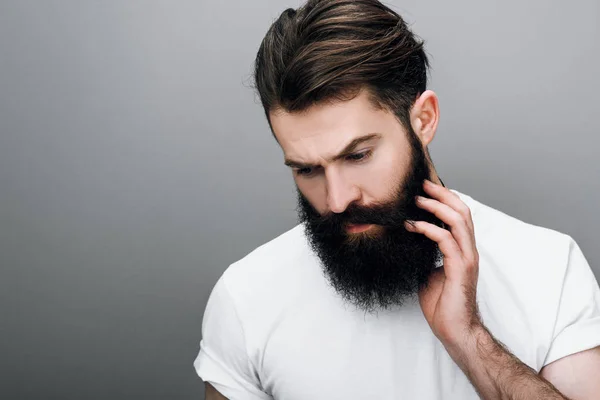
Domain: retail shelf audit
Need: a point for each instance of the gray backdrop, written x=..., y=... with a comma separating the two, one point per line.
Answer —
x=136, y=165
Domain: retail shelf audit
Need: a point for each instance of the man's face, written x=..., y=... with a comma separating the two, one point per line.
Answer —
x=354, y=206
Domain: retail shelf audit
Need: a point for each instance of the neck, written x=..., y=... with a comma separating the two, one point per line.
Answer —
x=435, y=178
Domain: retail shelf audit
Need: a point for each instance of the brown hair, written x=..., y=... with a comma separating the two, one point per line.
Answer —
x=329, y=50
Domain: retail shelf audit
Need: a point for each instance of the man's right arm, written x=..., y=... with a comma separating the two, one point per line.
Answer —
x=211, y=393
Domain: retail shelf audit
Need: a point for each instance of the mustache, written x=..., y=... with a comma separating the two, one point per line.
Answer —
x=388, y=215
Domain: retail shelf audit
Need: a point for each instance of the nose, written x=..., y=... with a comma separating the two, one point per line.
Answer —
x=340, y=192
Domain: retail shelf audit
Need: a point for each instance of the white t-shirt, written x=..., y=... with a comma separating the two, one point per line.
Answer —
x=275, y=329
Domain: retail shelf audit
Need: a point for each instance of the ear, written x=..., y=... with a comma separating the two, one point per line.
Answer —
x=424, y=116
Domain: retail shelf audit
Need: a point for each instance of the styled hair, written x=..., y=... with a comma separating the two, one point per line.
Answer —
x=330, y=50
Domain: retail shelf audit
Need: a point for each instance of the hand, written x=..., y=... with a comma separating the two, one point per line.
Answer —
x=449, y=301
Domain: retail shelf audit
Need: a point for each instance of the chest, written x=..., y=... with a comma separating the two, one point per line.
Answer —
x=321, y=354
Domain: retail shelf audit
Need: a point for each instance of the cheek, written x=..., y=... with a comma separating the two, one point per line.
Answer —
x=314, y=191
x=379, y=178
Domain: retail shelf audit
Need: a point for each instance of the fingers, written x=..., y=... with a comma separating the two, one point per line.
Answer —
x=458, y=226
x=457, y=245
x=453, y=257
x=446, y=196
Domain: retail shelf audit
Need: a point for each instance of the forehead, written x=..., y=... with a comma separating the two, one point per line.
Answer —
x=324, y=129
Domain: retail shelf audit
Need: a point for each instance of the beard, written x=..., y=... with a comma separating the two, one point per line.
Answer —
x=385, y=265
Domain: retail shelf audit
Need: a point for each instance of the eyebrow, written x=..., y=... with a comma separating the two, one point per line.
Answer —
x=350, y=147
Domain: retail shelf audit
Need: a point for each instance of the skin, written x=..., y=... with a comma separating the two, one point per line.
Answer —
x=448, y=303
x=211, y=393
x=315, y=135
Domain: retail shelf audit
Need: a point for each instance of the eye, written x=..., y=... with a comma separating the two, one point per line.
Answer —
x=303, y=171
x=356, y=158
x=359, y=156
x=306, y=171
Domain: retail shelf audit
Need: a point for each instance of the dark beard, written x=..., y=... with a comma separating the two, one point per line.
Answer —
x=387, y=264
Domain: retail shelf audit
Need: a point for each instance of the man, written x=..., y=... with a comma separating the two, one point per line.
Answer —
x=392, y=286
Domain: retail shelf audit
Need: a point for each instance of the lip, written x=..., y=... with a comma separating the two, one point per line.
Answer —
x=356, y=228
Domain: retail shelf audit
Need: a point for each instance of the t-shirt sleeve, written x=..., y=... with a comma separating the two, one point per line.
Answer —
x=222, y=360
x=577, y=326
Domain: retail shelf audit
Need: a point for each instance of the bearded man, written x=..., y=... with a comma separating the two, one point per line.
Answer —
x=392, y=286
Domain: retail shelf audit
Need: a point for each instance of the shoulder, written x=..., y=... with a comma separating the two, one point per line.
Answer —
x=522, y=269
x=511, y=240
x=272, y=278
x=528, y=258
x=271, y=262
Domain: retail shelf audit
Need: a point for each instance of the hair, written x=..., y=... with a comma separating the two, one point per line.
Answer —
x=330, y=50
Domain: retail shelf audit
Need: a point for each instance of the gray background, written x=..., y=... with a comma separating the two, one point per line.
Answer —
x=136, y=165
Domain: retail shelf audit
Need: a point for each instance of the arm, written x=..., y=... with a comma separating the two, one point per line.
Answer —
x=450, y=308
x=210, y=393
x=497, y=374
x=576, y=375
